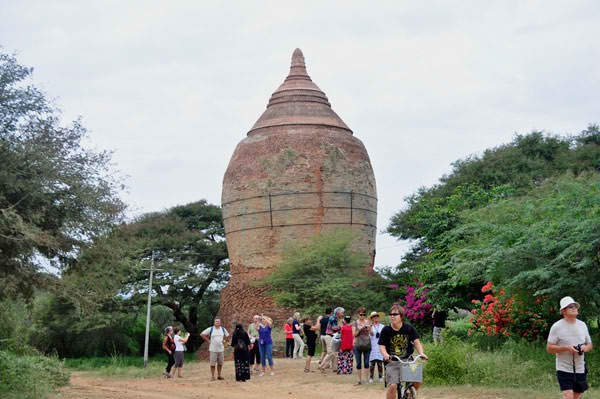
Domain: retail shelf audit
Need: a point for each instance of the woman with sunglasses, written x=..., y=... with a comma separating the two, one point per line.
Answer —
x=362, y=343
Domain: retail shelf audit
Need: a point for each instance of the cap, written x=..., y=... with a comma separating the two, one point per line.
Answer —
x=566, y=301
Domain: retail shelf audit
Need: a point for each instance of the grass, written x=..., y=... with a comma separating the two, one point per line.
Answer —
x=25, y=376
x=123, y=366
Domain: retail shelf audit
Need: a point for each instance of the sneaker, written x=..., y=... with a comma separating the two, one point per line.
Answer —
x=358, y=383
x=220, y=378
x=262, y=374
x=370, y=380
x=272, y=373
x=380, y=379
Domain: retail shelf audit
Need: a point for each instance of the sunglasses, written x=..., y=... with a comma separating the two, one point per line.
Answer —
x=571, y=306
x=362, y=314
x=394, y=314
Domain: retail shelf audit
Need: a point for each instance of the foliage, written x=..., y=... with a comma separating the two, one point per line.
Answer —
x=512, y=363
x=324, y=272
x=59, y=328
x=186, y=244
x=543, y=245
x=452, y=223
x=55, y=195
x=30, y=376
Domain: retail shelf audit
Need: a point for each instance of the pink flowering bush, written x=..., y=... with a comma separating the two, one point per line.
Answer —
x=415, y=303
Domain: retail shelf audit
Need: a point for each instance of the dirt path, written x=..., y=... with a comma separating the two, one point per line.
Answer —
x=289, y=382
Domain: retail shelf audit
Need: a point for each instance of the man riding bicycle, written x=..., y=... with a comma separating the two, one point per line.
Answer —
x=399, y=339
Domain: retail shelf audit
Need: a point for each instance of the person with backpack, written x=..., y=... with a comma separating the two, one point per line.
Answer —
x=215, y=336
x=333, y=328
x=169, y=347
x=361, y=329
x=241, y=353
x=179, y=349
x=324, y=339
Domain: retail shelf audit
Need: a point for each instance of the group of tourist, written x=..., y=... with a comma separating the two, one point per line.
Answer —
x=367, y=341
x=343, y=341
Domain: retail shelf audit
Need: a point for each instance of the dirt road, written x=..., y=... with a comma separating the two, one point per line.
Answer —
x=289, y=382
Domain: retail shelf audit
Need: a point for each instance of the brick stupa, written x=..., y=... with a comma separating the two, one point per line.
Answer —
x=299, y=172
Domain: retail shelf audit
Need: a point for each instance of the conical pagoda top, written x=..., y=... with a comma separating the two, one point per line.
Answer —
x=298, y=101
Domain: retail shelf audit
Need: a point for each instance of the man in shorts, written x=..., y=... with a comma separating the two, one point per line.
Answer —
x=569, y=339
x=215, y=336
x=400, y=339
x=439, y=323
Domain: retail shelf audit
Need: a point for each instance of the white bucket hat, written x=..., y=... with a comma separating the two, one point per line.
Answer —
x=566, y=301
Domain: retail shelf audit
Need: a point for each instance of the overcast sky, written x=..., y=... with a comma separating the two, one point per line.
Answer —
x=172, y=87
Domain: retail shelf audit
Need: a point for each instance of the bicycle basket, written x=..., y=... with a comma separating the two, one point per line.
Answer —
x=411, y=372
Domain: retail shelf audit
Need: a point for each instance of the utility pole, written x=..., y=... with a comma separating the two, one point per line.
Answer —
x=148, y=311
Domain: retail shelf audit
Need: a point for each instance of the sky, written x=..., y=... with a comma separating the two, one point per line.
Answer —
x=172, y=87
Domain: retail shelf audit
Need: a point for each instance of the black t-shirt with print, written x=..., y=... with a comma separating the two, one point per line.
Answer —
x=399, y=342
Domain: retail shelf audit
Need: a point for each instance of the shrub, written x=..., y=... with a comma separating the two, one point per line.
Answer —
x=448, y=362
x=30, y=376
x=503, y=316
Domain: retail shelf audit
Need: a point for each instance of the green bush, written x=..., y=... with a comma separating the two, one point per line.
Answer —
x=30, y=376
x=448, y=362
x=458, y=328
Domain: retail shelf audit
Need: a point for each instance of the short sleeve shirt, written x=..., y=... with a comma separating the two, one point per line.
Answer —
x=399, y=342
x=216, y=339
x=178, y=344
x=563, y=333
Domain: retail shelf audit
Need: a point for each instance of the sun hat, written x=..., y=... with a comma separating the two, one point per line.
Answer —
x=373, y=314
x=566, y=301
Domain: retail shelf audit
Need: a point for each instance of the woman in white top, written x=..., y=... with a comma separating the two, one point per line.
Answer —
x=179, y=349
x=376, y=358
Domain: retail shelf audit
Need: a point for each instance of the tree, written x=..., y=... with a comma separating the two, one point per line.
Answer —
x=55, y=195
x=188, y=246
x=434, y=217
x=545, y=244
x=325, y=272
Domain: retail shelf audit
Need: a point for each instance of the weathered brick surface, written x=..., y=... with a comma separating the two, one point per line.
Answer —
x=299, y=172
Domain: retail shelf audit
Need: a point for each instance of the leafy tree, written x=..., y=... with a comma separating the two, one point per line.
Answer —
x=545, y=244
x=509, y=171
x=325, y=272
x=188, y=246
x=55, y=195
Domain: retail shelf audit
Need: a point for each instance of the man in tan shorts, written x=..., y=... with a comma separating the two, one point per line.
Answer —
x=216, y=336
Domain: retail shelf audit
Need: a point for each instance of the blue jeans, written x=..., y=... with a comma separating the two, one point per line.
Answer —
x=266, y=351
x=364, y=355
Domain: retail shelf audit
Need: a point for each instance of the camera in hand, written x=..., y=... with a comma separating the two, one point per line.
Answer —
x=578, y=348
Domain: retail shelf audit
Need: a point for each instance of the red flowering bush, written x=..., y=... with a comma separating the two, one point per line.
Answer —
x=500, y=315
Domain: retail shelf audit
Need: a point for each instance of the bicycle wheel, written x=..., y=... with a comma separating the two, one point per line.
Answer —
x=410, y=393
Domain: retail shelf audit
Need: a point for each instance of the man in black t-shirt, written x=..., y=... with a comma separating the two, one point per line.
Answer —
x=398, y=339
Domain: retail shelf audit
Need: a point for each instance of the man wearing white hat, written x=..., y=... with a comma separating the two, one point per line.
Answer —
x=569, y=339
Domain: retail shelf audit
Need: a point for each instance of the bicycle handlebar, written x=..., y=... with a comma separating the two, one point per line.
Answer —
x=408, y=361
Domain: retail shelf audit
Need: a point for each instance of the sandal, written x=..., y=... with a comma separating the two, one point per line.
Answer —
x=307, y=370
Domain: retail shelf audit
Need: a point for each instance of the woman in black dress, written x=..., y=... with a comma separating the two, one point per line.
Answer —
x=241, y=353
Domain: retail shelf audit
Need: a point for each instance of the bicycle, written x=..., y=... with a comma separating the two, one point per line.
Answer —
x=410, y=372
